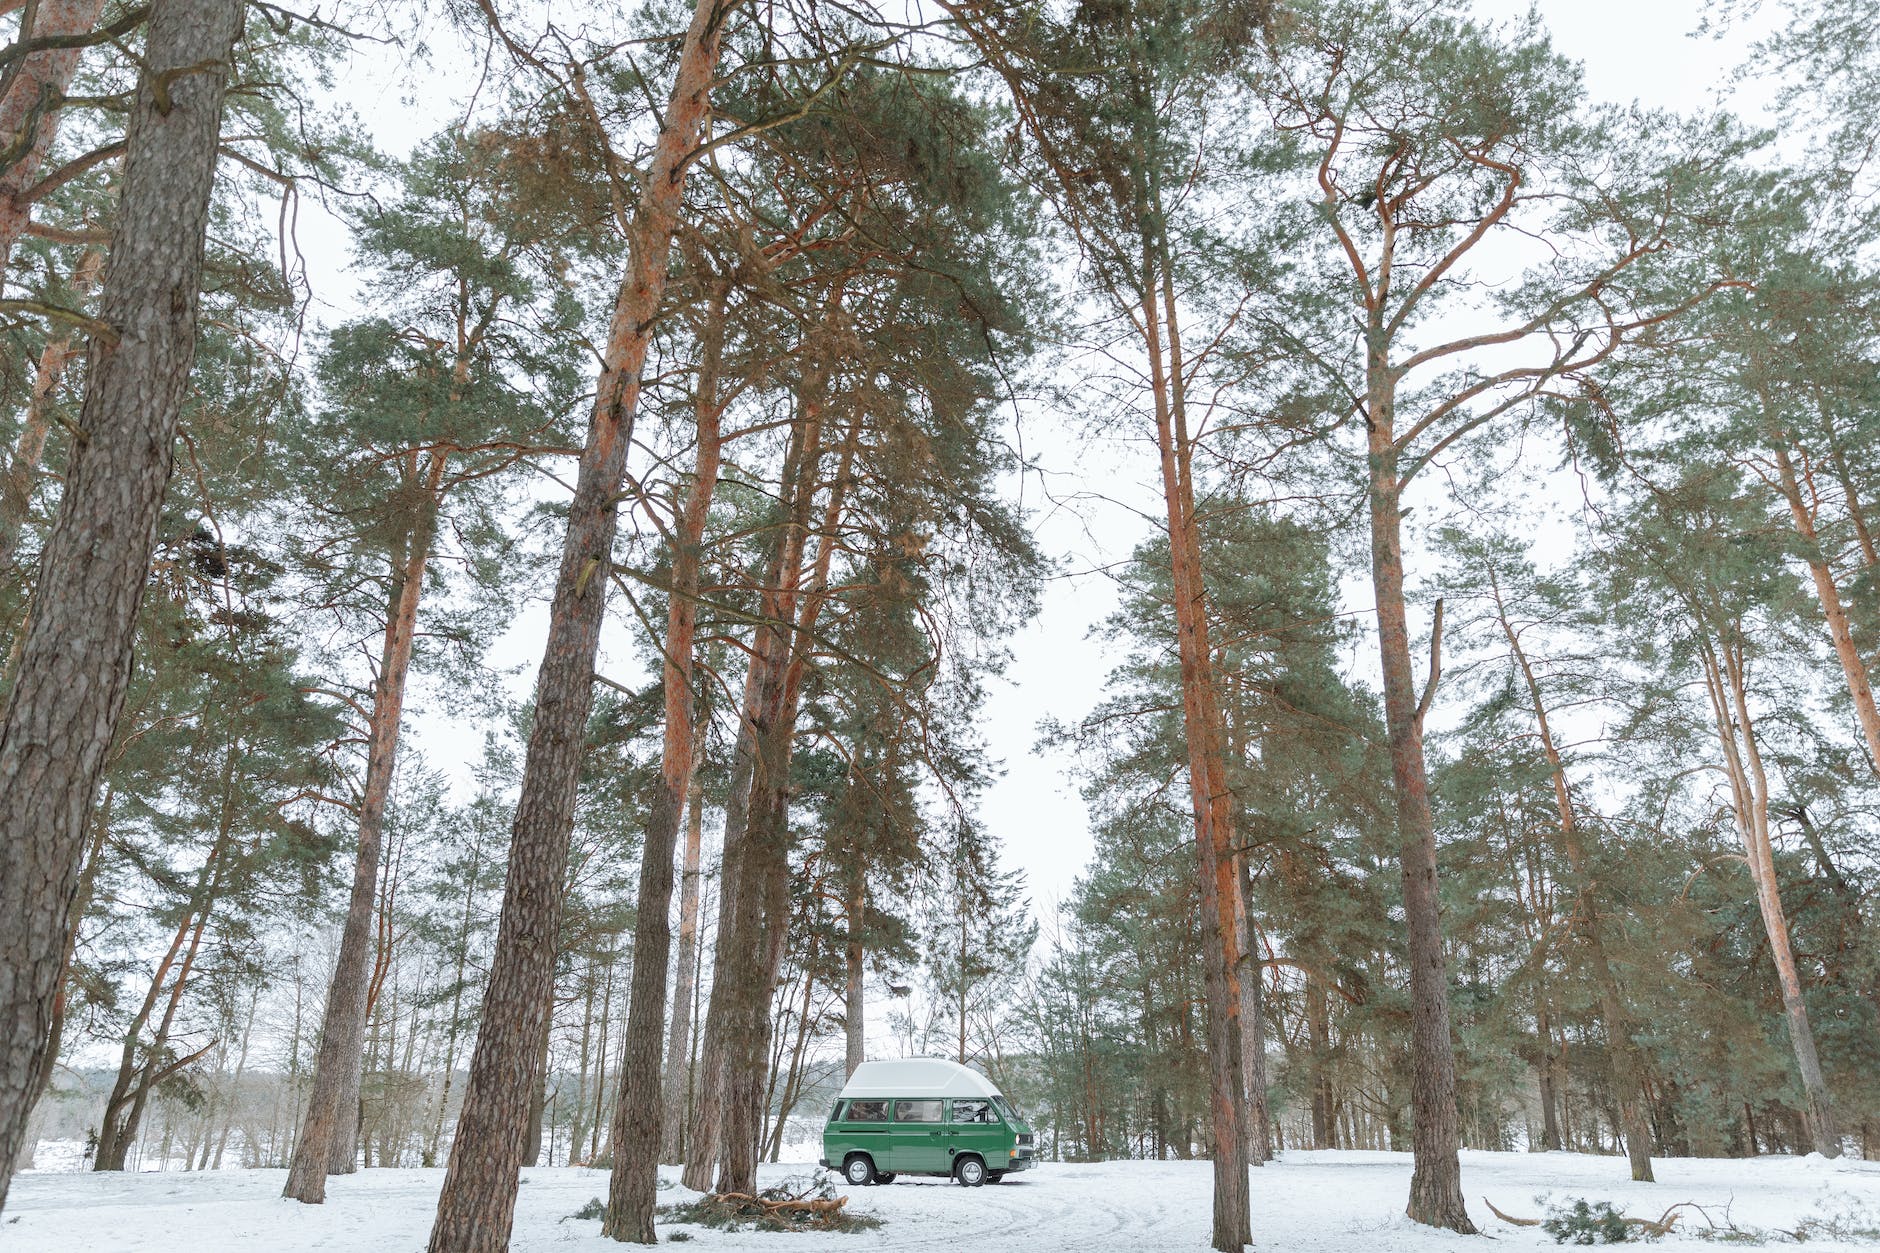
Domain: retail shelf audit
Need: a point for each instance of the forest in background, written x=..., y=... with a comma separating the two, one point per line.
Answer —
x=1489, y=751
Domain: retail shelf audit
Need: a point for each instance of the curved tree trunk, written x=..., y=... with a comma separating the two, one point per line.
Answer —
x=1727, y=681
x=1853, y=669
x=632, y=1189
x=478, y=1202
x=1628, y=1066
x=76, y=657
x=329, y=1135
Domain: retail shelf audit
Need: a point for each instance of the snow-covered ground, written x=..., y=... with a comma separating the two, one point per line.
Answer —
x=1308, y=1202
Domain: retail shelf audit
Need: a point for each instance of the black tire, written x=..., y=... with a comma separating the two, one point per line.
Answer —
x=970, y=1172
x=859, y=1170
x=886, y=1176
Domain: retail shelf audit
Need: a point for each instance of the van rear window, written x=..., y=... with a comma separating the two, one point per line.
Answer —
x=917, y=1111
x=867, y=1111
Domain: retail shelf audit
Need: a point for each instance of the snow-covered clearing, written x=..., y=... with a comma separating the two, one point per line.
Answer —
x=1310, y=1201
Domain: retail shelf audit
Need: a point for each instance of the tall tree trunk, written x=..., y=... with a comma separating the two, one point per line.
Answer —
x=854, y=996
x=235, y=1083
x=116, y=1128
x=538, y=1095
x=329, y=1134
x=1869, y=554
x=632, y=1189
x=1544, y=1073
x=1727, y=681
x=456, y=996
x=477, y=1205
x=1628, y=1064
x=16, y=492
x=1252, y=1032
x=1217, y=862
x=730, y=1068
x=769, y=837
x=75, y=662
x=1436, y=1181
x=1319, y=1031
x=1853, y=669
x=679, y=1039
x=87, y=881
x=33, y=104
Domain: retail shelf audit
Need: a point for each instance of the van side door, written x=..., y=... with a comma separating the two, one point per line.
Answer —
x=920, y=1136
x=974, y=1126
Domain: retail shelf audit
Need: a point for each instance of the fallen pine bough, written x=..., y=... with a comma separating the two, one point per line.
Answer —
x=1654, y=1228
x=793, y=1205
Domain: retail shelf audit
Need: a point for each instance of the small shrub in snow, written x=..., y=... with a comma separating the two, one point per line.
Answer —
x=1583, y=1223
x=595, y=1209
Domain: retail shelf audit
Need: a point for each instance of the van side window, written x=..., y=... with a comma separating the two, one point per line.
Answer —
x=973, y=1111
x=917, y=1111
x=867, y=1111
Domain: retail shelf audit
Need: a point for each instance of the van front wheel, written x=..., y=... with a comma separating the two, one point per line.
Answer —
x=970, y=1171
x=858, y=1170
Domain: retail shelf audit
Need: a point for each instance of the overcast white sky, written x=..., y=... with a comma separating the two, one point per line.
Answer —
x=1631, y=49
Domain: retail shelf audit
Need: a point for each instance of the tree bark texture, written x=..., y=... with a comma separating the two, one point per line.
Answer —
x=632, y=1190
x=685, y=983
x=1218, y=863
x=477, y=1206
x=329, y=1134
x=1252, y=1035
x=76, y=657
x=1436, y=1180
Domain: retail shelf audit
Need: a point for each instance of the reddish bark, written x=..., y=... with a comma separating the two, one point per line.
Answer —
x=633, y=1185
x=329, y=1133
x=1726, y=681
x=477, y=1206
x=17, y=491
x=32, y=106
x=1216, y=855
x=1828, y=593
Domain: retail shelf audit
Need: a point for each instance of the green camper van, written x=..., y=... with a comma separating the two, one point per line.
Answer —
x=924, y=1116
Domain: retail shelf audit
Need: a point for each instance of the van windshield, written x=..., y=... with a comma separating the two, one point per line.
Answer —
x=1005, y=1109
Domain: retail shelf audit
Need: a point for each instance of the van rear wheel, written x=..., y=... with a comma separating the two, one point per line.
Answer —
x=970, y=1171
x=886, y=1176
x=858, y=1170
x=995, y=1176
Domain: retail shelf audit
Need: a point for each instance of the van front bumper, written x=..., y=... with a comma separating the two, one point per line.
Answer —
x=1019, y=1163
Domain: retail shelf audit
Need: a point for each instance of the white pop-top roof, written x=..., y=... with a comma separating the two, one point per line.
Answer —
x=917, y=1076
